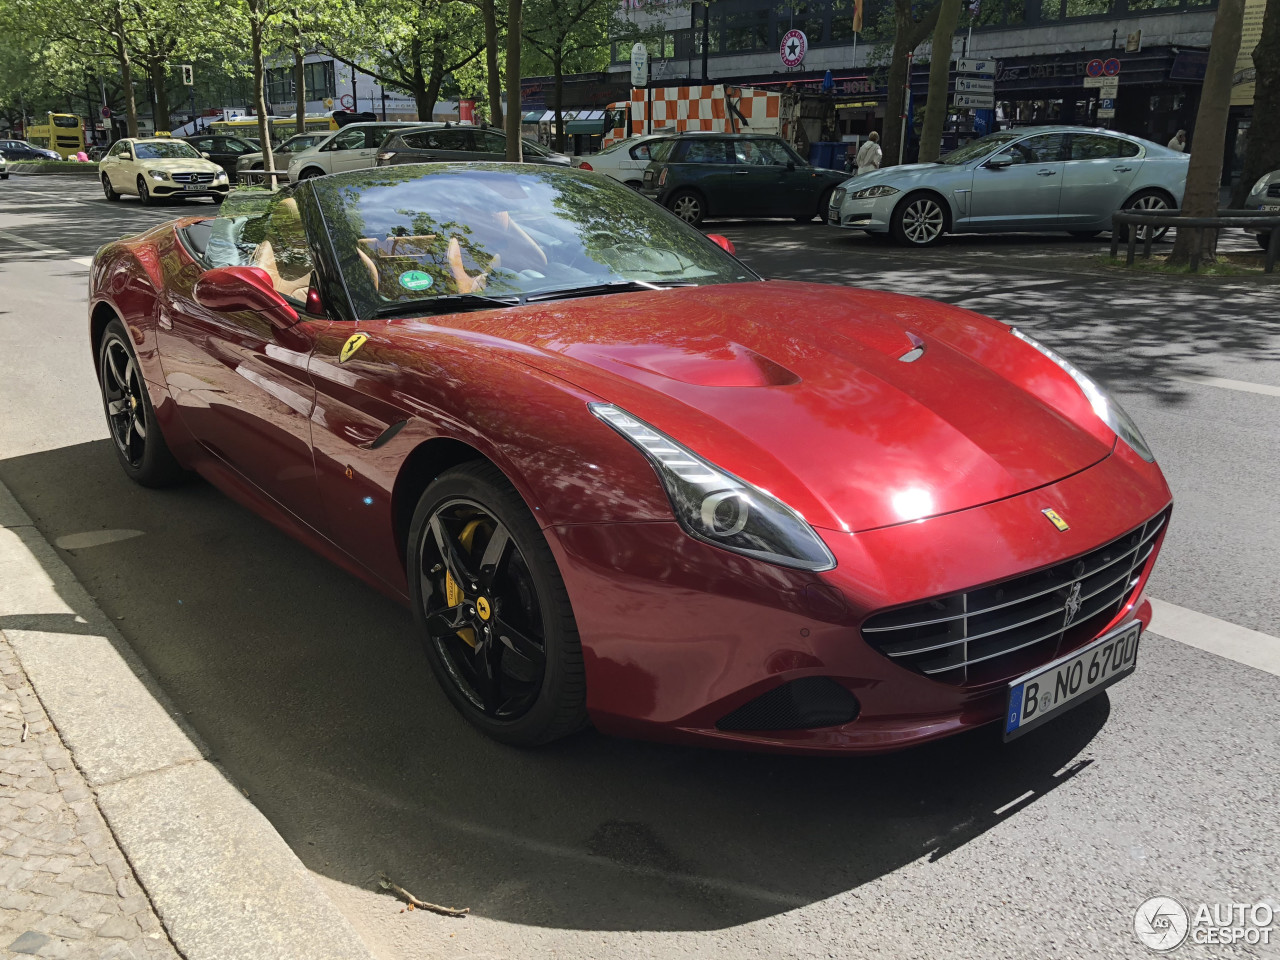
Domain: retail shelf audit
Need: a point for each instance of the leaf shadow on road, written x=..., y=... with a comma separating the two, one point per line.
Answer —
x=313, y=693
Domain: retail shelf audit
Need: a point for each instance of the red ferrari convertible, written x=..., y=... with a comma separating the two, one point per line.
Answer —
x=622, y=480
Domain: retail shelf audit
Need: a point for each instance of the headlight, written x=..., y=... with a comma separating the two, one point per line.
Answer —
x=1104, y=405
x=220, y=176
x=1261, y=185
x=718, y=508
x=157, y=175
x=880, y=190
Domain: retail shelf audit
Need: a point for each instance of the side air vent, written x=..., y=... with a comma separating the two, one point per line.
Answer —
x=799, y=705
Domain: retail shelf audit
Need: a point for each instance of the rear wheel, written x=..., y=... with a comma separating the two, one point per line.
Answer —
x=1145, y=201
x=109, y=191
x=919, y=220
x=136, y=435
x=688, y=206
x=495, y=616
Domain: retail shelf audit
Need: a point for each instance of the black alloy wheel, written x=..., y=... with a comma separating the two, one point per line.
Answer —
x=498, y=629
x=109, y=191
x=131, y=419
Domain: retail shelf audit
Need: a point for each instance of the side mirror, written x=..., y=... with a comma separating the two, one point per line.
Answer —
x=205, y=155
x=723, y=242
x=231, y=289
x=1001, y=160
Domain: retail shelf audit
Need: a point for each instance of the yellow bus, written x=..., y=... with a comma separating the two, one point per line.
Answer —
x=62, y=132
x=282, y=128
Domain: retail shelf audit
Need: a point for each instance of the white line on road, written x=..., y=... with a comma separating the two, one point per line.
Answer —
x=1215, y=636
x=1243, y=385
x=32, y=245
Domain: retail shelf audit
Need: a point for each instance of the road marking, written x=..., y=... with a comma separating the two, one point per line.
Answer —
x=94, y=538
x=83, y=261
x=1243, y=385
x=1253, y=649
x=32, y=245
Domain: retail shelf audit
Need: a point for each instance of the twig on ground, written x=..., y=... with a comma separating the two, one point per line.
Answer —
x=25, y=730
x=386, y=883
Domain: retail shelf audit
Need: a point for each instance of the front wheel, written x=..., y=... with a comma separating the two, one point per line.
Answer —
x=144, y=194
x=493, y=610
x=131, y=419
x=824, y=201
x=919, y=220
x=310, y=172
x=109, y=191
x=688, y=206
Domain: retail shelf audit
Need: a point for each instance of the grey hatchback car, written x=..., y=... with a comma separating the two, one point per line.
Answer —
x=1031, y=179
x=452, y=143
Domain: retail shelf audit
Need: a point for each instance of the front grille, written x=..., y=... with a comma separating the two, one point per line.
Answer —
x=1273, y=190
x=192, y=177
x=998, y=631
x=837, y=197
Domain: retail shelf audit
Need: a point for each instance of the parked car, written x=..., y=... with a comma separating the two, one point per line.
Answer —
x=1265, y=195
x=351, y=148
x=281, y=153
x=1035, y=178
x=624, y=160
x=21, y=150
x=703, y=175
x=222, y=149
x=620, y=480
x=159, y=168
x=433, y=143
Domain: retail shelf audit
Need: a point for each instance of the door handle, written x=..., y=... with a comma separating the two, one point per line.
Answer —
x=1122, y=169
x=1047, y=173
x=739, y=173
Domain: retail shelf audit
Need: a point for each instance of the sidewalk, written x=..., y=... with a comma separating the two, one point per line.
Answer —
x=66, y=890
x=121, y=836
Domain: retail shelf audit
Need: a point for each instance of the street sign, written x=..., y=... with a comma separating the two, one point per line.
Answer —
x=639, y=65
x=1106, y=86
x=1106, y=109
x=977, y=101
x=106, y=113
x=983, y=68
x=794, y=46
x=1111, y=68
x=975, y=85
x=1093, y=68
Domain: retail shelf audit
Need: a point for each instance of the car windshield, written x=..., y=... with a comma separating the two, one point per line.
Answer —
x=980, y=147
x=402, y=236
x=170, y=150
x=300, y=142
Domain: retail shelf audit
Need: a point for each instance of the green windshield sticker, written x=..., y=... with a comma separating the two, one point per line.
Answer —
x=415, y=280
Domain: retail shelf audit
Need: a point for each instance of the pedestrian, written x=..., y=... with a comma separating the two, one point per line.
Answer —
x=870, y=155
x=1179, y=141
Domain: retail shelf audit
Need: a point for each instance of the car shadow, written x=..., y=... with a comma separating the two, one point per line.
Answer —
x=313, y=693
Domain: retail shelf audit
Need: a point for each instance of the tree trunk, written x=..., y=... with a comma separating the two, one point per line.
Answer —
x=126, y=74
x=938, y=104
x=156, y=70
x=908, y=34
x=1204, y=173
x=259, y=94
x=488, y=10
x=425, y=105
x=557, y=66
x=515, y=151
x=1262, y=153
x=299, y=79
x=435, y=79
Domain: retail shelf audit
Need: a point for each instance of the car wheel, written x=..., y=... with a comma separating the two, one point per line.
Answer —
x=1264, y=240
x=109, y=191
x=131, y=419
x=1143, y=201
x=493, y=610
x=143, y=193
x=688, y=206
x=920, y=220
x=824, y=202
x=257, y=166
x=310, y=172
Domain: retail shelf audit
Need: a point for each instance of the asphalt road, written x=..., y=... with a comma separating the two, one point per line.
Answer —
x=313, y=693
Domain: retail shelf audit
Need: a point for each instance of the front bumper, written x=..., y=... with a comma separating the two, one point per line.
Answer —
x=873, y=215
x=163, y=188
x=677, y=635
x=1263, y=206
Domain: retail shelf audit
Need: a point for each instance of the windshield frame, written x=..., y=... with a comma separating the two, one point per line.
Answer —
x=689, y=248
x=180, y=145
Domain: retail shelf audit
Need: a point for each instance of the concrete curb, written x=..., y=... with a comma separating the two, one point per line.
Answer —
x=222, y=881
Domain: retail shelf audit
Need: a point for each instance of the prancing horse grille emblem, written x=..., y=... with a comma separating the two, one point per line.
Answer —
x=1073, y=604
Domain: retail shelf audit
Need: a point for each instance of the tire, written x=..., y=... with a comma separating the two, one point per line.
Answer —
x=689, y=206
x=919, y=220
x=4, y=176
x=500, y=687
x=131, y=420
x=218, y=198
x=310, y=172
x=824, y=201
x=109, y=191
x=1085, y=234
x=144, y=195
x=1147, y=200
x=1264, y=240
x=258, y=166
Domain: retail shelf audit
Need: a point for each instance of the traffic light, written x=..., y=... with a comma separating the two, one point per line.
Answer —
x=187, y=79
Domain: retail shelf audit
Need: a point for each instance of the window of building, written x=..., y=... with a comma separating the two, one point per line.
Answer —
x=318, y=80
x=806, y=15
x=746, y=30
x=1089, y=8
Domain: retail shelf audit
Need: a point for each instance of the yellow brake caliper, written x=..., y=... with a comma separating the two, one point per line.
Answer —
x=453, y=593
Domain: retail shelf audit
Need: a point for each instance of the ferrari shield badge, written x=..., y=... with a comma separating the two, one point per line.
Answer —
x=354, y=343
x=1056, y=519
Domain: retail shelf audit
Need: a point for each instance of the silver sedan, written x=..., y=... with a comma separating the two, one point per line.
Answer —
x=1032, y=179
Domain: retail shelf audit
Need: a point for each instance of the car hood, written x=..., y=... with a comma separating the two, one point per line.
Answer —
x=906, y=173
x=803, y=390
x=180, y=165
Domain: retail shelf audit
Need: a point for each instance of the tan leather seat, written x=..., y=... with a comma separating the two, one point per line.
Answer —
x=286, y=216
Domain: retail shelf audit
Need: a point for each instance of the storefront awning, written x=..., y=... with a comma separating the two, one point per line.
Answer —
x=589, y=127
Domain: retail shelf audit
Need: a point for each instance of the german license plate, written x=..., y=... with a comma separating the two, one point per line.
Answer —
x=1053, y=690
x=194, y=186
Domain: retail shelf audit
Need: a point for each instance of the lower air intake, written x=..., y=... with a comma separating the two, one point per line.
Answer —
x=798, y=705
